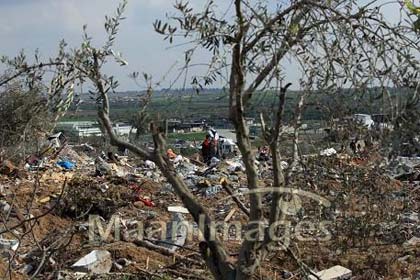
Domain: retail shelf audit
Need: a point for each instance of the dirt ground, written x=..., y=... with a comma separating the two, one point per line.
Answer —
x=363, y=230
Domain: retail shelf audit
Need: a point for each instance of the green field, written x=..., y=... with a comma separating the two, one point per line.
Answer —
x=214, y=105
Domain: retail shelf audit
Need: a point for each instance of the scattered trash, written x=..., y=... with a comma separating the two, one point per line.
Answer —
x=6, y=244
x=328, y=152
x=66, y=164
x=44, y=200
x=69, y=275
x=5, y=207
x=123, y=262
x=170, y=154
x=234, y=166
x=214, y=161
x=412, y=217
x=178, y=159
x=178, y=209
x=229, y=216
x=130, y=187
x=150, y=164
x=87, y=147
x=117, y=266
x=146, y=201
x=102, y=167
x=104, y=187
x=213, y=190
x=334, y=273
x=284, y=165
x=96, y=262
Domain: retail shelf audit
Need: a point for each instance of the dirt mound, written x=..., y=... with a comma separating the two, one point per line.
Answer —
x=88, y=195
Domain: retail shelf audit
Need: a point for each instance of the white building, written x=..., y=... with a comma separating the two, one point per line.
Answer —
x=90, y=128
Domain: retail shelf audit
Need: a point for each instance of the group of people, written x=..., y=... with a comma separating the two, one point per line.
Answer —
x=210, y=148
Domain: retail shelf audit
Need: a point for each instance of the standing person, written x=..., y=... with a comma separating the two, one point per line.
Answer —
x=205, y=149
x=214, y=143
x=353, y=146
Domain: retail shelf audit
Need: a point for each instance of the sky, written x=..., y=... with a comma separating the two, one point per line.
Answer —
x=41, y=24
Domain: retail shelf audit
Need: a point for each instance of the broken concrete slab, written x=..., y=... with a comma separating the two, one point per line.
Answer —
x=97, y=262
x=176, y=233
x=334, y=273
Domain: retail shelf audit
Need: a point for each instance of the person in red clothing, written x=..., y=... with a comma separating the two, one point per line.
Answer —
x=205, y=149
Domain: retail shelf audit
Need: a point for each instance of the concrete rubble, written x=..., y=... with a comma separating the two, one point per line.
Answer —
x=367, y=205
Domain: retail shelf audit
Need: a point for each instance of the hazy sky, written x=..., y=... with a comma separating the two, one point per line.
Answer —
x=31, y=24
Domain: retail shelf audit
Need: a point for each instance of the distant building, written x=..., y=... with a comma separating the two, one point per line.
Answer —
x=184, y=127
x=91, y=128
x=250, y=121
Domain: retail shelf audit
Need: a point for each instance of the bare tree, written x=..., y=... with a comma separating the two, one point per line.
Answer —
x=337, y=44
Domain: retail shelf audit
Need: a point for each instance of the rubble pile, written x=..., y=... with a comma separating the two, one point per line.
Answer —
x=351, y=217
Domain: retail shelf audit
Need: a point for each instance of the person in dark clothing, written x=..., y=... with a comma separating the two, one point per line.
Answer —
x=353, y=146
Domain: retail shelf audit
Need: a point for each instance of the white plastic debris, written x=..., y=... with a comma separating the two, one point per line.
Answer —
x=63, y=275
x=234, y=166
x=178, y=209
x=6, y=244
x=97, y=262
x=284, y=165
x=214, y=161
x=104, y=187
x=328, y=152
x=178, y=158
x=334, y=273
x=4, y=207
x=211, y=191
x=150, y=164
